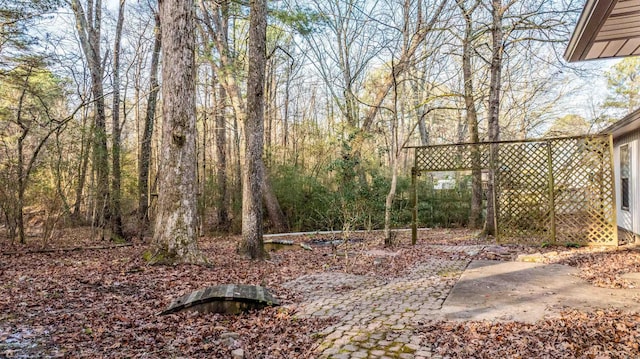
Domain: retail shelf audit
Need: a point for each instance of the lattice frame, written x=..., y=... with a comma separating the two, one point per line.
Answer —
x=557, y=190
x=523, y=205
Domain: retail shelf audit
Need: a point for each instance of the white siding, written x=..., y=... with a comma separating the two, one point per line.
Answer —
x=629, y=220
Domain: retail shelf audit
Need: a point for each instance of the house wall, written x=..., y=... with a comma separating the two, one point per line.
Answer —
x=629, y=220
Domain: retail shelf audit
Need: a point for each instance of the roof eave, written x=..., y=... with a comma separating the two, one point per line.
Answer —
x=587, y=28
x=630, y=122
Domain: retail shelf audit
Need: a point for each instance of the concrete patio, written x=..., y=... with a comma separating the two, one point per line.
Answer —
x=378, y=317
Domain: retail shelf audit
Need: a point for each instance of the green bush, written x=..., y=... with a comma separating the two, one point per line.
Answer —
x=436, y=208
x=311, y=205
x=303, y=199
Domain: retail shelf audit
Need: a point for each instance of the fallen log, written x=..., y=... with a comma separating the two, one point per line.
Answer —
x=280, y=241
x=68, y=249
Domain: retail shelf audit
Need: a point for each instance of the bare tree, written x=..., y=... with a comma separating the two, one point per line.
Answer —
x=31, y=114
x=495, y=83
x=88, y=25
x=352, y=56
x=149, y=120
x=514, y=27
x=471, y=112
x=222, y=216
x=116, y=192
x=414, y=33
x=253, y=171
x=215, y=28
x=175, y=230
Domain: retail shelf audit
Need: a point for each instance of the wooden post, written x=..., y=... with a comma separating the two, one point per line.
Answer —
x=614, y=207
x=552, y=200
x=414, y=205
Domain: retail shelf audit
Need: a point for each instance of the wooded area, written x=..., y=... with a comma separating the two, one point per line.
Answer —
x=115, y=117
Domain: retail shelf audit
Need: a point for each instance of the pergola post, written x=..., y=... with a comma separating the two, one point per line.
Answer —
x=552, y=200
x=612, y=179
x=414, y=206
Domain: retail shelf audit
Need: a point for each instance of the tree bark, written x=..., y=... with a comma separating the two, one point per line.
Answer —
x=82, y=167
x=21, y=177
x=494, y=108
x=252, y=242
x=145, y=148
x=276, y=216
x=242, y=113
x=175, y=237
x=222, y=216
x=419, y=92
x=475, y=215
x=88, y=28
x=117, y=232
x=388, y=237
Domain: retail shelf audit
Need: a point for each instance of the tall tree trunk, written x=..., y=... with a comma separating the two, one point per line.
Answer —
x=176, y=225
x=221, y=164
x=145, y=150
x=276, y=216
x=393, y=159
x=269, y=108
x=88, y=26
x=419, y=92
x=422, y=126
x=237, y=168
x=100, y=157
x=242, y=113
x=285, y=116
x=117, y=232
x=388, y=238
x=494, y=107
x=85, y=142
x=20, y=173
x=202, y=174
x=252, y=244
x=58, y=172
x=475, y=215
x=21, y=182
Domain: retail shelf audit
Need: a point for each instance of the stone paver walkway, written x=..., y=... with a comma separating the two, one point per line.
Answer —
x=378, y=317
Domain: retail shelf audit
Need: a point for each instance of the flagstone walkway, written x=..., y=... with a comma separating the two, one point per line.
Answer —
x=378, y=316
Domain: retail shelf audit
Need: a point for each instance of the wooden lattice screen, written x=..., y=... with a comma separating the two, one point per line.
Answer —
x=559, y=189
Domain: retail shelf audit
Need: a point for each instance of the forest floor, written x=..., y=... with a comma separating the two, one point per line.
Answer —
x=104, y=302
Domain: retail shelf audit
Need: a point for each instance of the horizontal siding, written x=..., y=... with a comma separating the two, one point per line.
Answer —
x=626, y=138
x=629, y=220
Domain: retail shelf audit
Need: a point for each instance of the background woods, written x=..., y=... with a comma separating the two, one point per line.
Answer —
x=300, y=108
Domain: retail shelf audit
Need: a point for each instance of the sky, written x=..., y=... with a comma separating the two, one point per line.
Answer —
x=590, y=90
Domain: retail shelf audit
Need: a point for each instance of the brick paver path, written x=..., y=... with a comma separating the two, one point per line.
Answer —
x=377, y=317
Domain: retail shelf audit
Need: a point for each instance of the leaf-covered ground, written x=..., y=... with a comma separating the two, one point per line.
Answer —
x=602, y=334
x=103, y=303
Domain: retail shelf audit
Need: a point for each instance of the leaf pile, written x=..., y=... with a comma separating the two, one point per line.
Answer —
x=604, y=267
x=603, y=334
x=103, y=303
